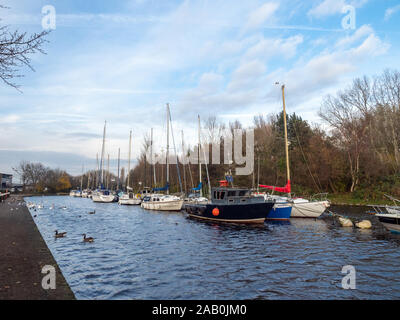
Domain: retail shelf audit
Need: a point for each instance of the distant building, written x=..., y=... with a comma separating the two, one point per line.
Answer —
x=5, y=181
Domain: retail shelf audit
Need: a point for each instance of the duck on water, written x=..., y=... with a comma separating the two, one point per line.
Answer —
x=59, y=234
x=234, y=205
x=87, y=239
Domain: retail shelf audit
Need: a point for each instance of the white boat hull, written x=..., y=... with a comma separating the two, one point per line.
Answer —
x=309, y=209
x=390, y=221
x=175, y=205
x=103, y=198
x=392, y=227
x=129, y=202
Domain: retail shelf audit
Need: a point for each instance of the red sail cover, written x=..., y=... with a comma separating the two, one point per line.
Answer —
x=286, y=189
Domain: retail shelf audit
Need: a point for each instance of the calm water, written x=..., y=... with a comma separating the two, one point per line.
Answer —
x=139, y=254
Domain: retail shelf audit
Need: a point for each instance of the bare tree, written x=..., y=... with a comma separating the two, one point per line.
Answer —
x=214, y=129
x=31, y=173
x=344, y=114
x=386, y=93
x=15, y=51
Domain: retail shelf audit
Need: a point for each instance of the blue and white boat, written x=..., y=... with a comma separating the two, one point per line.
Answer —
x=282, y=209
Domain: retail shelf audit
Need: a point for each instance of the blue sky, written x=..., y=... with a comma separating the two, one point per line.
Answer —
x=121, y=61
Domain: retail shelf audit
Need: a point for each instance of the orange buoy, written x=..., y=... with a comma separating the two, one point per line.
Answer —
x=224, y=183
x=215, y=212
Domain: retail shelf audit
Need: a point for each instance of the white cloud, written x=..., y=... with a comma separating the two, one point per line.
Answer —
x=8, y=119
x=391, y=11
x=359, y=34
x=246, y=76
x=308, y=80
x=269, y=47
x=259, y=16
x=327, y=68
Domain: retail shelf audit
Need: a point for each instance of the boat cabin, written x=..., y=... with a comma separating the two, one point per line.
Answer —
x=225, y=195
x=160, y=198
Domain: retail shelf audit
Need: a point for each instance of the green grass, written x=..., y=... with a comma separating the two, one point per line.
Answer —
x=354, y=199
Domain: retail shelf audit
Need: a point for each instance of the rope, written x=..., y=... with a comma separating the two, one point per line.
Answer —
x=304, y=157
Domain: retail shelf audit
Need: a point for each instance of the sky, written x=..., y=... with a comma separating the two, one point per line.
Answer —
x=122, y=61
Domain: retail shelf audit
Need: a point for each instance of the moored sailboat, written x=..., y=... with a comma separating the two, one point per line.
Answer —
x=196, y=196
x=128, y=197
x=301, y=208
x=163, y=202
x=102, y=195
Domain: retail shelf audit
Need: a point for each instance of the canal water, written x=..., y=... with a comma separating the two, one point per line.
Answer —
x=140, y=254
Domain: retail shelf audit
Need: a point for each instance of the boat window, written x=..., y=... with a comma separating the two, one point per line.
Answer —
x=223, y=195
x=231, y=200
x=231, y=193
x=243, y=200
x=242, y=193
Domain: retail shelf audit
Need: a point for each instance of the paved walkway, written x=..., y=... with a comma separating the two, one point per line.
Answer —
x=23, y=253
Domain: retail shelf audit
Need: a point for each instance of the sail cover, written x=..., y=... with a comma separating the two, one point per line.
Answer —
x=199, y=187
x=286, y=189
x=162, y=189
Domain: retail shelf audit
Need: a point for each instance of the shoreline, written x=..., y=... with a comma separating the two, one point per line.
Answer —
x=24, y=253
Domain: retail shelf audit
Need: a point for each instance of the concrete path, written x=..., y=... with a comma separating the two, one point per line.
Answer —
x=23, y=254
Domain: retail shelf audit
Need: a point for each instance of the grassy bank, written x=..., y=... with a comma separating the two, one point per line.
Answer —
x=354, y=200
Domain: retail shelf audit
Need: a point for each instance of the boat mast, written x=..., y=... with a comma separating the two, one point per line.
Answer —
x=151, y=157
x=88, y=181
x=199, y=148
x=129, y=161
x=183, y=163
x=258, y=174
x=176, y=155
x=286, y=136
x=167, y=148
x=97, y=171
x=254, y=177
x=82, y=180
x=102, y=155
x=108, y=171
x=154, y=166
x=119, y=159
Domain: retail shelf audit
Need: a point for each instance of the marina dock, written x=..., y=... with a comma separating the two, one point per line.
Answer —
x=23, y=254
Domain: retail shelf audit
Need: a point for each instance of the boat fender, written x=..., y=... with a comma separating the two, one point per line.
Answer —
x=215, y=212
